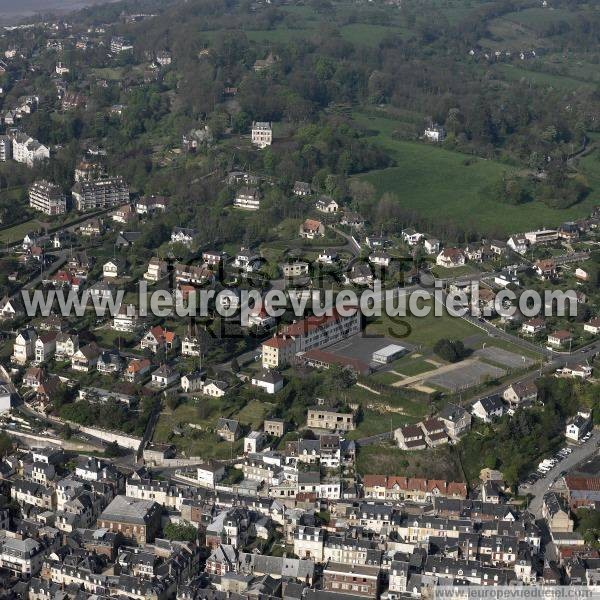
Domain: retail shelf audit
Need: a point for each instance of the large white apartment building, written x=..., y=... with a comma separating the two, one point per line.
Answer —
x=99, y=194
x=47, y=197
x=312, y=332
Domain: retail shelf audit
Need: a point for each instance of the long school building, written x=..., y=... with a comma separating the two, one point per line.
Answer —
x=312, y=332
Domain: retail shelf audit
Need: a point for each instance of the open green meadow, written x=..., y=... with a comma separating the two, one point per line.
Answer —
x=445, y=185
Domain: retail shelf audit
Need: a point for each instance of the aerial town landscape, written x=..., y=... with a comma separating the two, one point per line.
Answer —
x=299, y=299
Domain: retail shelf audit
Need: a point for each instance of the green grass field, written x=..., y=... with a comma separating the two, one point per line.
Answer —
x=423, y=332
x=448, y=185
x=17, y=232
x=561, y=82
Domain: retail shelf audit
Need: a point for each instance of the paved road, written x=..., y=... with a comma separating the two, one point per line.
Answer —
x=579, y=454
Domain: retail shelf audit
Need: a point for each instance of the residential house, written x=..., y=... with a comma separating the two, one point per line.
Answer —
x=254, y=442
x=270, y=381
x=456, y=420
x=214, y=258
x=578, y=426
x=560, y=339
x=247, y=198
x=411, y=236
x=215, y=388
x=9, y=308
x=327, y=257
x=24, y=346
x=136, y=369
x=66, y=345
x=432, y=245
x=297, y=268
x=326, y=204
x=450, y=257
x=274, y=427
x=164, y=376
x=435, y=133
x=45, y=346
x=330, y=420
x=489, y=408
x=157, y=338
x=301, y=188
x=592, y=326
x=126, y=239
x=190, y=346
x=533, y=327
x=113, y=268
x=518, y=244
x=312, y=229
x=410, y=437
x=556, y=513
x=353, y=220
x=86, y=358
x=157, y=269
x=193, y=382
x=520, y=393
x=546, y=268
x=109, y=362
x=183, y=235
x=127, y=319
x=262, y=134
x=228, y=429
x=380, y=258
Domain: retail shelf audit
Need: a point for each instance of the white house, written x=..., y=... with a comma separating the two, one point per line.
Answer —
x=192, y=382
x=533, y=326
x=157, y=269
x=214, y=388
x=326, y=204
x=112, y=268
x=592, y=326
x=411, y=237
x=183, y=235
x=518, y=243
x=380, y=258
x=24, y=346
x=262, y=134
x=210, y=473
x=432, y=245
x=164, y=376
x=435, y=133
x=578, y=426
x=270, y=381
x=327, y=257
x=254, y=442
x=8, y=308
x=489, y=408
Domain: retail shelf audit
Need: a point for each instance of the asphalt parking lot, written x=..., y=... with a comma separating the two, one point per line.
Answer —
x=465, y=376
x=361, y=347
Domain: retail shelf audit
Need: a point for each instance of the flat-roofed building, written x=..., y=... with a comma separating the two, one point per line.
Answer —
x=47, y=197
